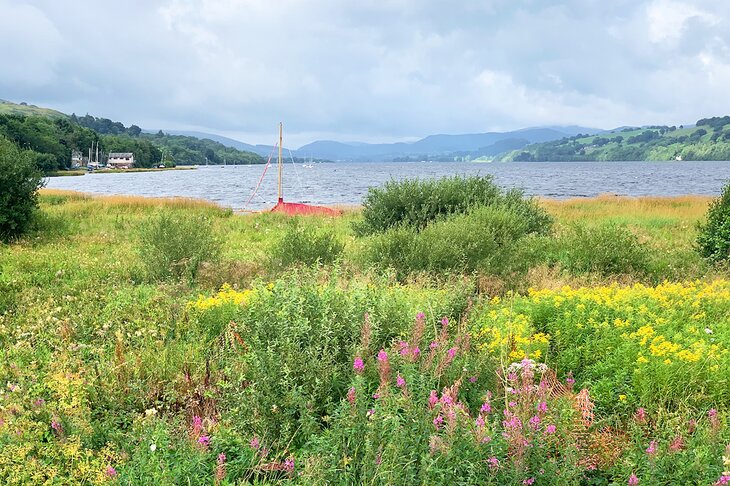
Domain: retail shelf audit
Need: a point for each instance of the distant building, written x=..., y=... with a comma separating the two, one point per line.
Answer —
x=77, y=159
x=120, y=160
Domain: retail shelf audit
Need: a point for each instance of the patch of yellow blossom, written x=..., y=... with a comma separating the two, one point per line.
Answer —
x=226, y=295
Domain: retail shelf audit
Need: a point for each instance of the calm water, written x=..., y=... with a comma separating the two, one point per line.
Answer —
x=347, y=183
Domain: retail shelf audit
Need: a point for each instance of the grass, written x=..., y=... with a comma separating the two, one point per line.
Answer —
x=98, y=363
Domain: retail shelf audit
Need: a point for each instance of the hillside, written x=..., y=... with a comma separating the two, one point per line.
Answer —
x=10, y=108
x=708, y=140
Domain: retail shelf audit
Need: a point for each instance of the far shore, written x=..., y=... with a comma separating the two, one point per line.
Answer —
x=80, y=172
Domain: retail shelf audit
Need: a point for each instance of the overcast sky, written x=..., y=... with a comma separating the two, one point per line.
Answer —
x=381, y=70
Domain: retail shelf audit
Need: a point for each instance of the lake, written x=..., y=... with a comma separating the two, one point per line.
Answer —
x=347, y=183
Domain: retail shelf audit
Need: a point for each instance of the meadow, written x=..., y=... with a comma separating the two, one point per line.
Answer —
x=171, y=341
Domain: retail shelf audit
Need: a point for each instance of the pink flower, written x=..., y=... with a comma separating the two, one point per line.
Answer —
x=445, y=322
x=472, y=379
x=289, y=464
x=197, y=424
x=569, y=380
x=57, y=426
x=493, y=463
x=351, y=395
x=433, y=345
x=400, y=382
x=382, y=356
x=438, y=421
x=542, y=407
x=640, y=415
x=39, y=402
x=254, y=443
x=358, y=365
x=550, y=429
x=633, y=480
x=110, y=471
x=479, y=422
x=535, y=422
x=420, y=316
x=512, y=404
x=452, y=352
x=651, y=450
x=723, y=481
x=486, y=408
x=370, y=413
x=376, y=396
x=529, y=481
x=204, y=440
x=416, y=352
x=433, y=399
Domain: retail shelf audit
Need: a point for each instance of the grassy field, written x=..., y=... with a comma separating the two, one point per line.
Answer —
x=260, y=368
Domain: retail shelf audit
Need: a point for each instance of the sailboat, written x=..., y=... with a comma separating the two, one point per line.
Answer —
x=295, y=208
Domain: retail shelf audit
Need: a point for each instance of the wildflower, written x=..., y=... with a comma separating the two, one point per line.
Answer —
x=447, y=399
x=542, y=407
x=376, y=396
x=358, y=365
x=382, y=356
x=472, y=379
x=220, y=469
x=433, y=345
x=633, y=480
x=569, y=380
x=479, y=422
x=378, y=459
x=724, y=480
x=640, y=415
x=677, y=444
x=708, y=330
x=714, y=420
x=415, y=352
x=452, y=352
x=289, y=464
x=420, y=316
x=153, y=447
x=254, y=443
x=622, y=398
x=438, y=421
x=445, y=322
x=433, y=399
x=486, y=407
x=111, y=472
x=651, y=450
x=550, y=429
x=405, y=348
x=400, y=382
x=57, y=427
x=535, y=422
x=39, y=402
x=691, y=426
x=197, y=424
x=493, y=463
x=204, y=440
x=486, y=439
x=529, y=481
x=370, y=413
x=351, y=395
x=512, y=404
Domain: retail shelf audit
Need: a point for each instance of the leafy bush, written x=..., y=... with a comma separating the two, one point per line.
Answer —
x=607, y=250
x=713, y=240
x=172, y=245
x=486, y=240
x=19, y=184
x=415, y=203
x=303, y=243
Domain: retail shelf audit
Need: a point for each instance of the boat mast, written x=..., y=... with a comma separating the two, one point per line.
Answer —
x=281, y=196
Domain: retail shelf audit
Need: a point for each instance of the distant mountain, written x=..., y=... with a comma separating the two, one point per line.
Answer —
x=437, y=145
x=263, y=150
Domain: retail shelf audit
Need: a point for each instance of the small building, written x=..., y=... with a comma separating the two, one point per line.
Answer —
x=120, y=160
x=77, y=159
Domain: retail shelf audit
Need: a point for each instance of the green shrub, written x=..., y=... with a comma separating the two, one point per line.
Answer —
x=302, y=243
x=19, y=184
x=607, y=250
x=713, y=241
x=485, y=240
x=415, y=203
x=172, y=245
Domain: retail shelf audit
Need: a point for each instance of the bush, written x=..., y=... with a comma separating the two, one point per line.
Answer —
x=485, y=240
x=302, y=243
x=713, y=241
x=607, y=250
x=19, y=184
x=415, y=203
x=173, y=245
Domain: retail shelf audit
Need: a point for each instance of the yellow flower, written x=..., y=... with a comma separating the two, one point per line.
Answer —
x=622, y=398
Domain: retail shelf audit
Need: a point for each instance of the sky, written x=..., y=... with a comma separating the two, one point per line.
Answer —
x=370, y=71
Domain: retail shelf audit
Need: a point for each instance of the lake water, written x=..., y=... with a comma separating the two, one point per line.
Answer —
x=347, y=183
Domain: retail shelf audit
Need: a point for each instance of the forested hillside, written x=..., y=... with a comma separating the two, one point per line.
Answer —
x=708, y=140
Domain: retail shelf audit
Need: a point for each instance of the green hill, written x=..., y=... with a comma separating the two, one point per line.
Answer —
x=10, y=108
x=708, y=140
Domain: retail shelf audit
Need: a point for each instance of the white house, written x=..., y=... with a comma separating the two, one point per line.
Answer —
x=121, y=160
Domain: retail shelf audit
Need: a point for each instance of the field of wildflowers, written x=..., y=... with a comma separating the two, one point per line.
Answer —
x=261, y=373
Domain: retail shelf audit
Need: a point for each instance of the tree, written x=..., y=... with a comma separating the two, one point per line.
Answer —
x=713, y=240
x=19, y=184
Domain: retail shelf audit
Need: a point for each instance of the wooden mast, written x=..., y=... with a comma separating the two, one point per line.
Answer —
x=281, y=196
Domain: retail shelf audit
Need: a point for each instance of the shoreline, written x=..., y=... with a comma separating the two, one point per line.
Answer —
x=177, y=200
x=81, y=172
